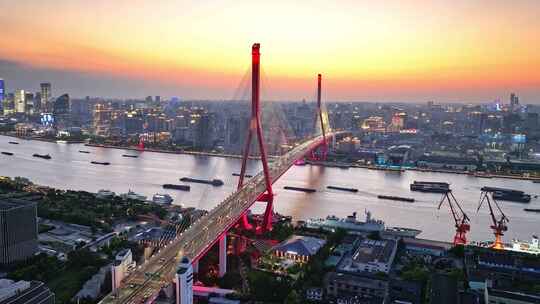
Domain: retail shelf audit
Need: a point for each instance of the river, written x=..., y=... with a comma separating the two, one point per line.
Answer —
x=69, y=169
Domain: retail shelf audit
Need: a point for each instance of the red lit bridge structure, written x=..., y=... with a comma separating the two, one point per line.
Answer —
x=144, y=284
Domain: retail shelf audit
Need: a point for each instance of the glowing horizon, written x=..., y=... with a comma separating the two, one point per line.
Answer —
x=414, y=50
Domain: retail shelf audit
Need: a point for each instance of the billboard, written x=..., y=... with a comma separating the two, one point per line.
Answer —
x=47, y=119
x=2, y=90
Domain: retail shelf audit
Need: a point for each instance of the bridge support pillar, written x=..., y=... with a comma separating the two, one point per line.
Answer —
x=222, y=255
x=195, y=266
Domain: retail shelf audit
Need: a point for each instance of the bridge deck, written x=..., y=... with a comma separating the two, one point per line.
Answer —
x=147, y=280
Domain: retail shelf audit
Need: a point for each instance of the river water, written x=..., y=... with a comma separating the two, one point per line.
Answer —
x=69, y=169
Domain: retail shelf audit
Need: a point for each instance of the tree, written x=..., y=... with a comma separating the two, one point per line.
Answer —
x=293, y=298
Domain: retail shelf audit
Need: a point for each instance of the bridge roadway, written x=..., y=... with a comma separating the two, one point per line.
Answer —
x=143, y=284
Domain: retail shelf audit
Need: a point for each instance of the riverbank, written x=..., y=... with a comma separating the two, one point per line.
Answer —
x=49, y=140
x=401, y=169
x=212, y=154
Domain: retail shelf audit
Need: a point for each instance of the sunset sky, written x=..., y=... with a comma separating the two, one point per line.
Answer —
x=385, y=50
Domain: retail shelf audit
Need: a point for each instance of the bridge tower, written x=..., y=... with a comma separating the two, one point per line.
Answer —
x=255, y=129
x=323, y=149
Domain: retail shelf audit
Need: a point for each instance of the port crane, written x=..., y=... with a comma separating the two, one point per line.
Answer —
x=460, y=218
x=499, y=226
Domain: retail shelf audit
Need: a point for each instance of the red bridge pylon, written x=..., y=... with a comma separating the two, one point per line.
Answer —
x=323, y=149
x=255, y=129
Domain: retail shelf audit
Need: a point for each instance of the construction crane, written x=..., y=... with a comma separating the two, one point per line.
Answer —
x=460, y=218
x=498, y=225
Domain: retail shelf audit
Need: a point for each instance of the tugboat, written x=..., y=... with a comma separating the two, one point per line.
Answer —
x=44, y=156
x=214, y=182
x=164, y=199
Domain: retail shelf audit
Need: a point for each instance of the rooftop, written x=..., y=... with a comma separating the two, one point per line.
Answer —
x=301, y=245
x=374, y=251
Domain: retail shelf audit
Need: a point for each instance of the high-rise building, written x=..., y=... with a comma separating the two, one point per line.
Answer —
x=8, y=106
x=45, y=95
x=2, y=90
x=18, y=230
x=122, y=265
x=514, y=101
x=62, y=111
x=20, y=101
x=184, y=282
x=29, y=100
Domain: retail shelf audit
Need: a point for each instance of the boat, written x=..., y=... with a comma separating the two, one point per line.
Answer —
x=164, y=199
x=482, y=175
x=214, y=182
x=100, y=163
x=245, y=175
x=504, y=194
x=532, y=209
x=129, y=155
x=396, y=198
x=308, y=190
x=400, y=232
x=61, y=142
x=105, y=194
x=536, y=181
x=133, y=196
x=532, y=247
x=13, y=142
x=84, y=151
x=342, y=188
x=44, y=156
x=177, y=187
x=7, y=153
x=353, y=226
x=431, y=187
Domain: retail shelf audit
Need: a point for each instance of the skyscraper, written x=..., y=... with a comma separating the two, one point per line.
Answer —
x=514, y=101
x=45, y=95
x=20, y=101
x=18, y=230
x=2, y=88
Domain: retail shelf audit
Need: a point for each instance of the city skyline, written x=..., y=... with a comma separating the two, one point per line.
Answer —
x=396, y=52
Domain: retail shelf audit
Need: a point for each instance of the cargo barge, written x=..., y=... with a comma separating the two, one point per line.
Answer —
x=307, y=190
x=100, y=163
x=245, y=175
x=177, y=187
x=431, y=187
x=213, y=182
x=396, y=198
x=44, y=156
x=511, y=195
x=342, y=188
